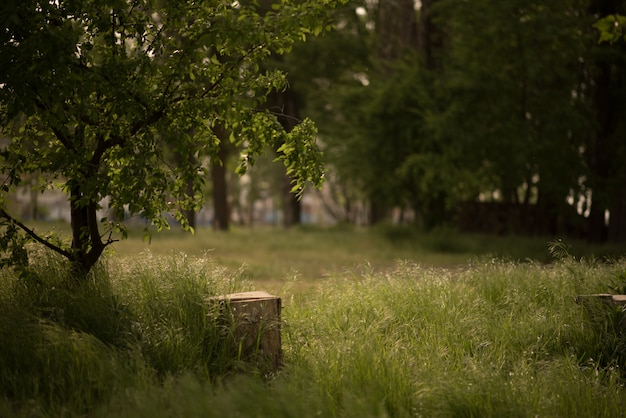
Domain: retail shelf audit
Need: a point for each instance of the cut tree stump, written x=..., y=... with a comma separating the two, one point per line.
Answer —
x=255, y=324
x=593, y=301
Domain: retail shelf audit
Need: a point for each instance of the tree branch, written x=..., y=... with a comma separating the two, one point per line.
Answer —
x=33, y=234
x=232, y=65
x=60, y=135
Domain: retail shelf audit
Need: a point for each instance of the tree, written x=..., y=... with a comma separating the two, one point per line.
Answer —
x=535, y=88
x=221, y=211
x=479, y=108
x=605, y=148
x=93, y=94
x=515, y=100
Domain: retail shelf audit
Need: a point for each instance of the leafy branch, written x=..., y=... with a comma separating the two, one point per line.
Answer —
x=31, y=233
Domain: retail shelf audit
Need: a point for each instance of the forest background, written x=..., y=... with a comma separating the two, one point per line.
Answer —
x=497, y=118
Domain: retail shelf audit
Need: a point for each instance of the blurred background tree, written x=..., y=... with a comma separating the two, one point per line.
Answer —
x=489, y=116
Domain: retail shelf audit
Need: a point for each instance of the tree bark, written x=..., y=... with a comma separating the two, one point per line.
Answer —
x=617, y=222
x=377, y=212
x=600, y=154
x=428, y=37
x=221, y=219
x=288, y=103
x=397, y=28
x=87, y=246
x=605, y=148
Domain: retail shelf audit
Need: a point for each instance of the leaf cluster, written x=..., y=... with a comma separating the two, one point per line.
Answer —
x=611, y=28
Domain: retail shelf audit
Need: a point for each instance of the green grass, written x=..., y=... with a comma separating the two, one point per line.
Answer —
x=274, y=257
x=443, y=334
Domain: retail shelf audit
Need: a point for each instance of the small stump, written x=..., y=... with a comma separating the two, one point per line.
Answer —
x=254, y=321
x=614, y=308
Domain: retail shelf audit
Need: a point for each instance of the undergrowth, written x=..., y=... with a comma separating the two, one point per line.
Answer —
x=492, y=338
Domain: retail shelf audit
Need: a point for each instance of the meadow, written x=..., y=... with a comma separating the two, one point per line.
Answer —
x=376, y=323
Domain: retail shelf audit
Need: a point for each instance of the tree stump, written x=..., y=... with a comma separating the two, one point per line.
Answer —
x=614, y=308
x=254, y=321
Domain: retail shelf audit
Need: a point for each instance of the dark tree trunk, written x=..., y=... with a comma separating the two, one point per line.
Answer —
x=397, y=28
x=428, y=37
x=600, y=154
x=397, y=33
x=292, y=207
x=87, y=246
x=617, y=223
x=546, y=215
x=605, y=149
x=377, y=212
x=288, y=103
x=190, y=214
x=220, y=191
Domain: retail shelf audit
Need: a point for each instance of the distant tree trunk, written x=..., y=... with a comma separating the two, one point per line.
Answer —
x=287, y=104
x=428, y=37
x=600, y=154
x=377, y=212
x=292, y=207
x=617, y=224
x=605, y=149
x=546, y=212
x=190, y=214
x=397, y=28
x=220, y=192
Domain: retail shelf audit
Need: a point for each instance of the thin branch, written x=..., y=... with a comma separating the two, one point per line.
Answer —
x=33, y=234
x=60, y=135
x=109, y=240
x=232, y=65
x=280, y=113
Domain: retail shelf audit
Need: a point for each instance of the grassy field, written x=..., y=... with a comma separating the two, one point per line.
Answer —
x=463, y=327
x=274, y=257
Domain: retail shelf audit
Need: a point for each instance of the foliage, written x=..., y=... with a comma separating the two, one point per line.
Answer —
x=611, y=28
x=480, y=113
x=100, y=98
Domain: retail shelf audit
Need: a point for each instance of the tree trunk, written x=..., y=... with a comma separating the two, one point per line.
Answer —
x=87, y=246
x=605, y=149
x=377, y=212
x=191, y=160
x=428, y=38
x=288, y=103
x=397, y=28
x=292, y=207
x=190, y=214
x=600, y=154
x=220, y=193
x=617, y=222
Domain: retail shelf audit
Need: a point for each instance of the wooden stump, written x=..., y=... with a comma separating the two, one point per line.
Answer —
x=254, y=321
x=612, y=304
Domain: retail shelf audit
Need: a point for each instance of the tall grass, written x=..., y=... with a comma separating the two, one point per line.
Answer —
x=497, y=339
x=491, y=338
x=67, y=346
